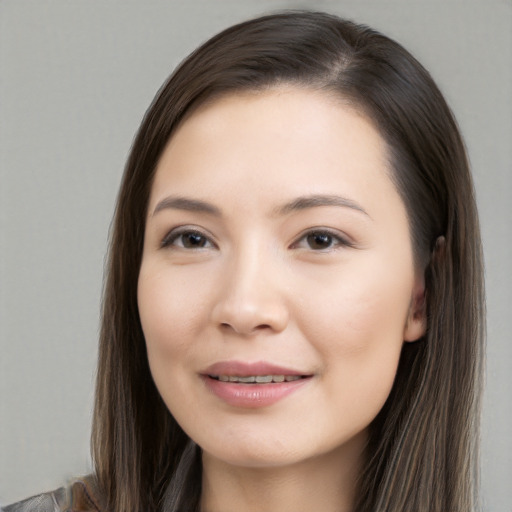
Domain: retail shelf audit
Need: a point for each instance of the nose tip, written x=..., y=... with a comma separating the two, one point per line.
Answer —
x=250, y=306
x=246, y=318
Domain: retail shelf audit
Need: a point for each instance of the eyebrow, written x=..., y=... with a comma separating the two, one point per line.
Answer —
x=298, y=204
x=316, y=200
x=185, y=203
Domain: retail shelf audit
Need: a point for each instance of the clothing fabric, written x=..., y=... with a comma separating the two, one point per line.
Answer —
x=80, y=496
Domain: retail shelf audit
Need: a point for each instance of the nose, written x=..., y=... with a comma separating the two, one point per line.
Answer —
x=251, y=299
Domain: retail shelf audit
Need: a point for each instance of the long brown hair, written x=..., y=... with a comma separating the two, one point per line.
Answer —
x=422, y=452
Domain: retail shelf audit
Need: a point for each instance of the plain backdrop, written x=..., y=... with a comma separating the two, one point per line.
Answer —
x=75, y=80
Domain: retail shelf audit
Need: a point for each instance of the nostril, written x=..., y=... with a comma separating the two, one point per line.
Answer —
x=226, y=325
x=262, y=326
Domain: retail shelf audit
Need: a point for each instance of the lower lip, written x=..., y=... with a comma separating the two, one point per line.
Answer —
x=253, y=396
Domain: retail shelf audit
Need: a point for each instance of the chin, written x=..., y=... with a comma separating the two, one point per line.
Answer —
x=259, y=451
x=260, y=458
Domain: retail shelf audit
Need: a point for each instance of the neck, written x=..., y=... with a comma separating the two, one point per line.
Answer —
x=326, y=482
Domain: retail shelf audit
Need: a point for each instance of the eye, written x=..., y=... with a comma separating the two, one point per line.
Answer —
x=187, y=239
x=320, y=240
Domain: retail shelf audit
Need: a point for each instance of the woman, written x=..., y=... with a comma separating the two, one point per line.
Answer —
x=293, y=310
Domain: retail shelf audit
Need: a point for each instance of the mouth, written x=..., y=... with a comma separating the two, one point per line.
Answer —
x=253, y=385
x=257, y=379
x=259, y=372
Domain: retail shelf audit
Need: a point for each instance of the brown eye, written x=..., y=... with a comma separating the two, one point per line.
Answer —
x=187, y=239
x=192, y=240
x=319, y=241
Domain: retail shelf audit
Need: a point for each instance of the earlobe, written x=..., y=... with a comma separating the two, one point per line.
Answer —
x=416, y=324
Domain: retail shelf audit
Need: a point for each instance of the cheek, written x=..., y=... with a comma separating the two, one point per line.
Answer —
x=170, y=312
x=358, y=308
x=356, y=324
x=362, y=336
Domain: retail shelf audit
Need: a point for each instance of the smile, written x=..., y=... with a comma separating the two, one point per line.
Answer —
x=253, y=384
x=256, y=379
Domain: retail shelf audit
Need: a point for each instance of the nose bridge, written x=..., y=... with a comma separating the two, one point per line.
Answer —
x=251, y=297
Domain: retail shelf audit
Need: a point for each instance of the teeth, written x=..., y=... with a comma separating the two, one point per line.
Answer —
x=264, y=378
x=246, y=380
x=257, y=379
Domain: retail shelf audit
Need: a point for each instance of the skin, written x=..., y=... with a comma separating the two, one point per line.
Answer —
x=255, y=287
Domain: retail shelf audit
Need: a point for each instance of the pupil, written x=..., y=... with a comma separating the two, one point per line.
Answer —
x=319, y=240
x=193, y=240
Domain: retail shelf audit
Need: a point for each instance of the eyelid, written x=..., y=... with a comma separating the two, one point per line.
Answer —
x=176, y=232
x=342, y=239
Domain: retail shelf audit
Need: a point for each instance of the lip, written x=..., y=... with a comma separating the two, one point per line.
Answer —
x=244, y=369
x=252, y=396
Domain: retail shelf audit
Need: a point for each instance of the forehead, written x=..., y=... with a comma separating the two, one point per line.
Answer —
x=287, y=110
x=281, y=142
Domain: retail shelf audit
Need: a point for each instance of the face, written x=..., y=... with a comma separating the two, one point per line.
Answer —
x=277, y=283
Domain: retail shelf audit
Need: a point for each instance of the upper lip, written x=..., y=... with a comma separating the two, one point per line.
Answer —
x=245, y=369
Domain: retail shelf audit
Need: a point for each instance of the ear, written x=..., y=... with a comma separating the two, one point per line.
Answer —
x=416, y=324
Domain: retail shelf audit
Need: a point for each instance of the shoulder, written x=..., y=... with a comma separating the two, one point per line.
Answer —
x=80, y=496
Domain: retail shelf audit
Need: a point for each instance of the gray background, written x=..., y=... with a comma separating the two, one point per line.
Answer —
x=75, y=80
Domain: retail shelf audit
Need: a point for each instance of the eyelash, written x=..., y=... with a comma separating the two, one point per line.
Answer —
x=175, y=234
x=335, y=239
